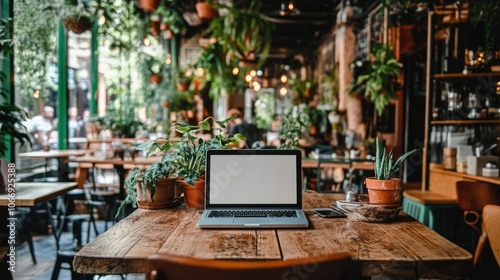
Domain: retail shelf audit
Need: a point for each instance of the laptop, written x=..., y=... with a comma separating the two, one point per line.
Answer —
x=253, y=189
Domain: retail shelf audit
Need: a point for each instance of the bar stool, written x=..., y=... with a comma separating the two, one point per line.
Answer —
x=472, y=197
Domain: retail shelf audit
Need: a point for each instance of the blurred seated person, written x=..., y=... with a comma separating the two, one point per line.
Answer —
x=249, y=130
x=42, y=128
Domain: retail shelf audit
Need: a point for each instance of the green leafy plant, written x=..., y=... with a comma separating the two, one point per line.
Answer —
x=243, y=32
x=385, y=167
x=487, y=12
x=294, y=124
x=171, y=16
x=378, y=79
x=217, y=72
x=148, y=177
x=188, y=155
x=11, y=116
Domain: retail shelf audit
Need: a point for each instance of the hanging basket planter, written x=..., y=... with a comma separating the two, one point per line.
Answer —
x=77, y=25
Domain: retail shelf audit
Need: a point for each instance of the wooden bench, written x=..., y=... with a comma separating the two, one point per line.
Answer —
x=421, y=204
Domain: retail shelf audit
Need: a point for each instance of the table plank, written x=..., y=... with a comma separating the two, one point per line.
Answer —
x=29, y=194
x=139, y=235
x=189, y=240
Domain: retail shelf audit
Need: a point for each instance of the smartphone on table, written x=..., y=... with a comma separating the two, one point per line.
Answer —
x=329, y=213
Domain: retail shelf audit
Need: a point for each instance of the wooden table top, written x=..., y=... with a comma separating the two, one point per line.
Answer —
x=29, y=194
x=54, y=153
x=404, y=248
x=357, y=163
x=117, y=161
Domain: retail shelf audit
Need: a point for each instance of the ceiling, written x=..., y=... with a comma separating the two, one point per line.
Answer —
x=300, y=32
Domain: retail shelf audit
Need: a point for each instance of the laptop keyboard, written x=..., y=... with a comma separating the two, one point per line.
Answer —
x=252, y=213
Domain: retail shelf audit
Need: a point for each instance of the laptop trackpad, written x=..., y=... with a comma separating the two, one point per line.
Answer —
x=252, y=221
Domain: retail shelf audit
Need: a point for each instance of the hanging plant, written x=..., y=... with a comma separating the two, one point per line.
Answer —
x=379, y=77
x=243, y=33
x=488, y=13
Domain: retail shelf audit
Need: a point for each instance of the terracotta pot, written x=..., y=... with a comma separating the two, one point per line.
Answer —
x=182, y=87
x=155, y=27
x=155, y=79
x=169, y=34
x=194, y=196
x=165, y=195
x=149, y=5
x=383, y=192
x=205, y=11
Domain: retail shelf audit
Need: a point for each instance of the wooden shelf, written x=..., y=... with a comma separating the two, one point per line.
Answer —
x=466, y=122
x=459, y=76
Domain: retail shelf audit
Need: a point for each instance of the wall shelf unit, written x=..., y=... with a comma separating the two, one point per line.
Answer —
x=444, y=112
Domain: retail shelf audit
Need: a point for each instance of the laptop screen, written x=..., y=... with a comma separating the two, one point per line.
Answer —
x=258, y=178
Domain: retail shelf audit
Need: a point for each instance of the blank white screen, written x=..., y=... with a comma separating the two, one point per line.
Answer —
x=253, y=179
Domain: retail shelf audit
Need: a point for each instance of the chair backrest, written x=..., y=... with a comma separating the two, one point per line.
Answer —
x=332, y=266
x=473, y=196
x=491, y=216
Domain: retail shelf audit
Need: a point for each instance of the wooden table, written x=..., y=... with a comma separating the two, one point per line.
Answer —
x=30, y=194
x=120, y=165
x=404, y=248
x=61, y=155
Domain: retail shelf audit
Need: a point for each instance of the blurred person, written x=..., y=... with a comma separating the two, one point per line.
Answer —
x=74, y=124
x=249, y=130
x=42, y=128
x=84, y=121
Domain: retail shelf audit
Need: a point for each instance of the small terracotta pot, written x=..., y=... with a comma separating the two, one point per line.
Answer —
x=384, y=192
x=194, y=196
x=165, y=194
x=205, y=11
x=182, y=87
x=155, y=79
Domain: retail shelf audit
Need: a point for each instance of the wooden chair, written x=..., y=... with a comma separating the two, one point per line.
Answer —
x=472, y=197
x=491, y=216
x=332, y=266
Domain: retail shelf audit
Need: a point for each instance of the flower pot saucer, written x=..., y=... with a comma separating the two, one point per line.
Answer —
x=395, y=205
x=349, y=205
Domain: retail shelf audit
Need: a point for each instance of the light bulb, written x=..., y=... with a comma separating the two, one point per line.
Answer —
x=256, y=86
x=284, y=78
x=283, y=91
x=248, y=78
x=147, y=42
x=253, y=73
x=236, y=70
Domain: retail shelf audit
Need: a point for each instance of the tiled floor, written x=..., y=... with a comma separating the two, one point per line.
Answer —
x=45, y=254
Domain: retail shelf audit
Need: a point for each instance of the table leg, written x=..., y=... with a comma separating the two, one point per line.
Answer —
x=63, y=170
x=120, y=170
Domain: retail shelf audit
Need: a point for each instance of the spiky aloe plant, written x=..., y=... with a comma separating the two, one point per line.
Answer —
x=385, y=167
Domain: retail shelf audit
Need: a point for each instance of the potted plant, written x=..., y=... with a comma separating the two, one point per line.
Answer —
x=149, y=5
x=74, y=14
x=378, y=78
x=384, y=188
x=183, y=79
x=187, y=157
x=171, y=19
x=205, y=10
x=294, y=125
x=243, y=33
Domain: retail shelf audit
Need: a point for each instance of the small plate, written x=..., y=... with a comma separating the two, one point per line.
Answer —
x=348, y=205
